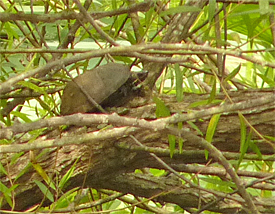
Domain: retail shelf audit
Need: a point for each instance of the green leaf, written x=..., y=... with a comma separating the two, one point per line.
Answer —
x=67, y=176
x=267, y=80
x=47, y=193
x=130, y=38
x=211, y=10
x=7, y=193
x=233, y=73
x=149, y=17
x=44, y=175
x=179, y=81
x=264, y=6
x=194, y=126
x=2, y=170
x=243, y=134
x=211, y=129
x=172, y=144
x=270, y=138
x=157, y=172
x=218, y=182
x=114, y=4
x=255, y=149
x=244, y=141
x=163, y=111
x=161, y=108
x=31, y=86
x=22, y=116
x=66, y=199
x=180, y=9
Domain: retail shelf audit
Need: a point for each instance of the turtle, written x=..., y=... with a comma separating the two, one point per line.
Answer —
x=109, y=85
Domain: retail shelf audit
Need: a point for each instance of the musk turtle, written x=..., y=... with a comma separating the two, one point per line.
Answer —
x=100, y=83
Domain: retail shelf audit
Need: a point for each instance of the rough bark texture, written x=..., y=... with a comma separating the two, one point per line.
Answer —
x=110, y=164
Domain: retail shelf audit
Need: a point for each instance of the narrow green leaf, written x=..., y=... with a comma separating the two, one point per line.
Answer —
x=44, y=105
x=31, y=86
x=67, y=176
x=2, y=170
x=218, y=182
x=114, y=4
x=180, y=9
x=149, y=16
x=3, y=188
x=44, y=175
x=244, y=141
x=243, y=146
x=7, y=193
x=22, y=116
x=194, y=126
x=179, y=81
x=211, y=130
x=172, y=144
x=130, y=38
x=211, y=10
x=191, y=83
x=212, y=127
x=267, y=80
x=255, y=149
x=270, y=138
x=45, y=190
x=233, y=73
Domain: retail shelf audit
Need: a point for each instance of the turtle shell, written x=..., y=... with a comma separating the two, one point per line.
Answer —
x=100, y=83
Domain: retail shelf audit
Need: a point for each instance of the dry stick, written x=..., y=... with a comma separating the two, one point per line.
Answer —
x=84, y=91
x=82, y=119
